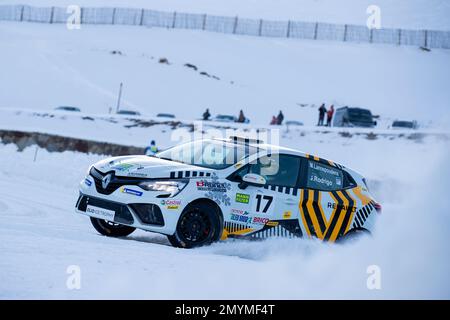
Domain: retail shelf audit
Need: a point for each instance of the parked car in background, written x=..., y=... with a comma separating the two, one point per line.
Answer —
x=165, y=115
x=353, y=117
x=293, y=123
x=403, y=124
x=68, y=108
x=224, y=118
x=129, y=112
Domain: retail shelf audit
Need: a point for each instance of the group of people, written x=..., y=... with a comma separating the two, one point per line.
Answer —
x=152, y=149
x=278, y=120
x=329, y=113
x=240, y=119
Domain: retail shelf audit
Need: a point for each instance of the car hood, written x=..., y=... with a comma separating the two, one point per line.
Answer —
x=147, y=167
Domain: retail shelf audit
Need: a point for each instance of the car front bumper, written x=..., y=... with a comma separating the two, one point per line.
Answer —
x=128, y=205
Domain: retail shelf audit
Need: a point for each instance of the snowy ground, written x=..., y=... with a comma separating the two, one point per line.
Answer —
x=413, y=14
x=40, y=236
x=51, y=66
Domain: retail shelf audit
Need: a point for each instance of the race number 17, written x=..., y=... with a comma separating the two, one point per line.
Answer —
x=259, y=199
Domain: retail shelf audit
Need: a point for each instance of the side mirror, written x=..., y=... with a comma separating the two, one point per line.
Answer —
x=252, y=179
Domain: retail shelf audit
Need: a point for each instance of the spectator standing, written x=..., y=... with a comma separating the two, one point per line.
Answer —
x=322, y=111
x=241, y=117
x=330, y=114
x=274, y=121
x=280, y=118
x=206, y=115
x=152, y=149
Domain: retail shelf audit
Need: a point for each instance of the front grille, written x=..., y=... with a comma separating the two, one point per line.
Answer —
x=115, y=182
x=122, y=212
x=148, y=213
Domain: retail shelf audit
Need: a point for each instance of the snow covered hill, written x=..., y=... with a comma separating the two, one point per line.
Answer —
x=51, y=66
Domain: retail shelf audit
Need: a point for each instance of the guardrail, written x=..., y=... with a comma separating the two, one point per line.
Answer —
x=57, y=143
x=230, y=25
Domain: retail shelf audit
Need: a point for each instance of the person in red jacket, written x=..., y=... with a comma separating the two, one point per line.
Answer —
x=330, y=113
x=274, y=121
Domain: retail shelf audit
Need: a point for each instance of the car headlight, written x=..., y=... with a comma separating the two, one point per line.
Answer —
x=171, y=187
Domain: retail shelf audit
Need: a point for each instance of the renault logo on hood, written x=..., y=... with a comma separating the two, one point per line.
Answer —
x=106, y=180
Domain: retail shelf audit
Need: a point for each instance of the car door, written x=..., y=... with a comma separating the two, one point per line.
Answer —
x=251, y=205
x=274, y=206
x=326, y=207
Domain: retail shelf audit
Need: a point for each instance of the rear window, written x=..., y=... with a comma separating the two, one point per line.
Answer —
x=403, y=124
x=323, y=177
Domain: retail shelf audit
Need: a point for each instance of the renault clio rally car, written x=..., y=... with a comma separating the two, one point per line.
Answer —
x=209, y=190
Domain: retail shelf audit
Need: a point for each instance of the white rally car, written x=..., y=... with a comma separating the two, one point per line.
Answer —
x=206, y=190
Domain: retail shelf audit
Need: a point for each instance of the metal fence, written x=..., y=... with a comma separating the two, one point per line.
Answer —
x=231, y=25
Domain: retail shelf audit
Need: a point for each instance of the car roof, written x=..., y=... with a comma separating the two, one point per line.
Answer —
x=290, y=151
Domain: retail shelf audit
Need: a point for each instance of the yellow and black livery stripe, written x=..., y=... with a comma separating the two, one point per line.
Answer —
x=314, y=219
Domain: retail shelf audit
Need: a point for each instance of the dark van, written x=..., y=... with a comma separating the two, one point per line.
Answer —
x=353, y=117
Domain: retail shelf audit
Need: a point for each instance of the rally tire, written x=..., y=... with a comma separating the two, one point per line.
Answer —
x=200, y=224
x=111, y=229
x=354, y=235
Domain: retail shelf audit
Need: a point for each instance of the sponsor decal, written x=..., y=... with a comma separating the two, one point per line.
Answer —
x=131, y=191
x=122, y=166
x=212, y=186
x=87, y=182
x=239, y=211
x=240, y=218
x=171, y=204
x=340, y=206
x=238, y=165
x=100, y=212
x=136, y=174
x=272, y=223
x=287, y=214
x=259, y=220
x=242, y=198
x=250, y=177
x=215, y=190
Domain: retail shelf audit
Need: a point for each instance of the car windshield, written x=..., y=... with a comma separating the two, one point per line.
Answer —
x=212, y=154
x=403, y=124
